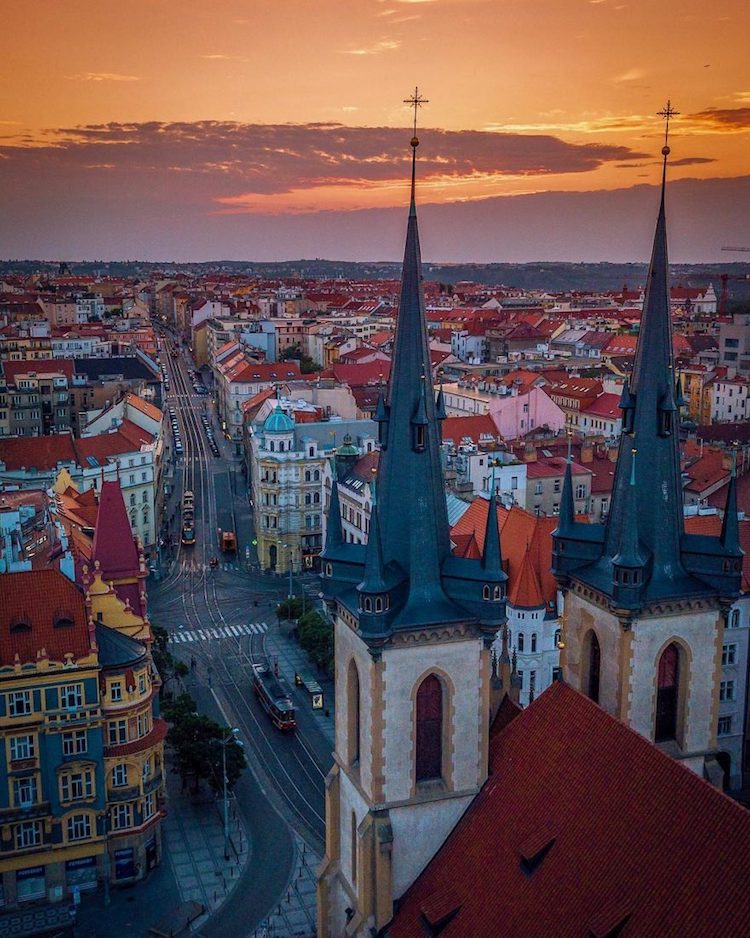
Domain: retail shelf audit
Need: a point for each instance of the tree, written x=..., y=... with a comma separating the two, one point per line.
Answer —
x=196, y=743
x=291, y=608
x=316, y=637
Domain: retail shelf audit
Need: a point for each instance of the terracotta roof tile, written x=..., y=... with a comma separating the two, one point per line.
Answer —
x=681, y=847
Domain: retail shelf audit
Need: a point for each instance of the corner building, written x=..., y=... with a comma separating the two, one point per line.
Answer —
x=413, y=629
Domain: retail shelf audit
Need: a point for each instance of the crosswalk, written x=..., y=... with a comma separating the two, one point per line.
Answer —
x=202, y=567
x=211, y=634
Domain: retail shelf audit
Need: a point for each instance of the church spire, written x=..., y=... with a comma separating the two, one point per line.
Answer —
x=651, y=421
x=334, y=533
x=413, y=518
x=730, y=535
x=492, y=558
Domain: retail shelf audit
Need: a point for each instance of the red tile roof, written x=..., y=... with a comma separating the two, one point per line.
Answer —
x=43, y=366
x=38, y=452
x=628, y=831
x=114, y=546
x=519, y=531
x=474, y=428
x=39, y=598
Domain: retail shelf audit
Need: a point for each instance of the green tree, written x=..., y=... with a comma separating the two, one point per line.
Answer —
x=316, y=637
x=291, y=608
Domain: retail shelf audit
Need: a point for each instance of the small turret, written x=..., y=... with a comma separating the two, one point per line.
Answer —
x=628, y=564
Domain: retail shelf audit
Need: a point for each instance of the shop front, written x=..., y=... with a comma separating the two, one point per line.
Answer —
x=124, y=863
x=30, y=884
x=81, y=874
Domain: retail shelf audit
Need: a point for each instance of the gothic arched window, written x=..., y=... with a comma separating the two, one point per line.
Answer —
x=486, y=592
x=593, y=660
x=520, y=641
x=429, y=763
x=353, y=710
x=533, y=642
x=667, y=694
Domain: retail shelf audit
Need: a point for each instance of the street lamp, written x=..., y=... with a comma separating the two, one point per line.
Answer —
x=227, y=739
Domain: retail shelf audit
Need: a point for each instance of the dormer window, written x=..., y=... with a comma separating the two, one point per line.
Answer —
x=486, y=593
x=63, y=622
x=328, y=569
x=378, y=604
x=498, y=593
x=18, y=626
x=367, y=604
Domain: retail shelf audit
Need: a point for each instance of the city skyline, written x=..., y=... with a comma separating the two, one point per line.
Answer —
x=222, y=132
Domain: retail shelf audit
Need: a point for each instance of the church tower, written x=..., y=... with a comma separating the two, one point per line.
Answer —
x=645, y=603
x=413, y=633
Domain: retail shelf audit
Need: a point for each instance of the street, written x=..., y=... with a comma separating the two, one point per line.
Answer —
x=220, y=621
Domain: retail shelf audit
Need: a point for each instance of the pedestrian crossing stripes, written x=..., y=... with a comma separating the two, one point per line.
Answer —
x=209, y=634
x=202, y=567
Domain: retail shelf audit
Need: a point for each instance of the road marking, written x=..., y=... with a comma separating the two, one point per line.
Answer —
x=189, y=636
x=234, y=631
x=203, y=637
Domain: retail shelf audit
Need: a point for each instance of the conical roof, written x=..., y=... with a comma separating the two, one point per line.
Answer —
x=114, y=546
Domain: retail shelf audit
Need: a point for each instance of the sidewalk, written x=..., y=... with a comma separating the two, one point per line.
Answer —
x=293, y=659
x=192, y=869
x=295, y=917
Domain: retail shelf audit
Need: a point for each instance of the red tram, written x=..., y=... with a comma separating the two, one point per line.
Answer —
x=275, y=696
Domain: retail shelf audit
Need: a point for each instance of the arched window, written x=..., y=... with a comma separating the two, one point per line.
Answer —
x=354, y=848
x=311, y=451
x=558, y=633
x=281, y=446
x=368, y=604
x=378, y=604
x=667, y=694
x=271, y=446
x=316, y=475
x=316, y=498
x=498, y=593
x=307, y=475
x=593, y=660
x=520, y=641
x=486, y=592
x=429, y=747
x=734, y=619
x=533, y=642
x=353, y=709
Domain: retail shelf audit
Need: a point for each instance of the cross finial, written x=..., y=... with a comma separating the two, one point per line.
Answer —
x=416, y=101
x=667, y=113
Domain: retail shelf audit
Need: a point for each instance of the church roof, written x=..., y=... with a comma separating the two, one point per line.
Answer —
x=562, y=840
x=525, y=591
x=278, y=422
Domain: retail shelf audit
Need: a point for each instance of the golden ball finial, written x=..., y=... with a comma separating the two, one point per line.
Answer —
x=665, y=151
x=415, y=142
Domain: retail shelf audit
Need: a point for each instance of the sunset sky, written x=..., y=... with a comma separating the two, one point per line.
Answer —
x=264, y=129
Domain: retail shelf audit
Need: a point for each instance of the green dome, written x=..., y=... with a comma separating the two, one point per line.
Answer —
x=278, y=422
x=348, y=448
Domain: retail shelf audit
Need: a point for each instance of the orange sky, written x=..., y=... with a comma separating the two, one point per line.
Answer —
x=576, y=74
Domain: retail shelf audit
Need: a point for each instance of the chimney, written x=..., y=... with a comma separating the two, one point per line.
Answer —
x=587, y=452
x=612, y=452
x=529, y=453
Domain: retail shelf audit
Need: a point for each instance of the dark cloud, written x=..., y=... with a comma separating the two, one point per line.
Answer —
x=684, y=161
x=737, y=118
x=220, y=159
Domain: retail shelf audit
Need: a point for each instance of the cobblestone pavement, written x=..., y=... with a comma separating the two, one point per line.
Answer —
x=295, y=916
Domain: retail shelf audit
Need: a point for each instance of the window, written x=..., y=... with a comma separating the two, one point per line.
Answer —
x=486, y=593
x=28, y=834
x=729, y=654
x=593, y=662
x=538, y=488
x=147, y=769
x=74, y=743
x=353, y=708
x=143, y=724
x=117, y=731
x=149, y=806
x=533, y=642
x=19, y=703
x=115, y=691
x=79, y=827
x=667, y=694
x=520, y=641
x=557, y=485
x=22, y=747
x=734, y=619
x=76, y=786
x=120, y=817
x=142, y=682
x=532, y=683
x=580, y=490
x=71, y=696
x=429, y=731
x=558, y=633
x=725, y=726
x=726, y=690
x=119, y=775
x=24, y=791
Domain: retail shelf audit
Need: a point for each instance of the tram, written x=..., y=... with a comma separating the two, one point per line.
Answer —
x=188, y=528
x=274, y=695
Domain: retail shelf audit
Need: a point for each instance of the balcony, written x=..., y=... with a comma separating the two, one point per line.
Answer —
x=116, y=795
x=72, y=716
x=37, y=809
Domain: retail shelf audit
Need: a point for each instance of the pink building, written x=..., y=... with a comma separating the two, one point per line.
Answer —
x=517, y=415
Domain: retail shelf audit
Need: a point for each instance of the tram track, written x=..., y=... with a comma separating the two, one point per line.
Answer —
x=287, y=765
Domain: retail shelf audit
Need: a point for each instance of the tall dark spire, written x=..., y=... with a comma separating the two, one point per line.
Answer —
x=492, y=558
x=334, y=532
x=412, y=514
x=730, y=534
x=642, y=552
